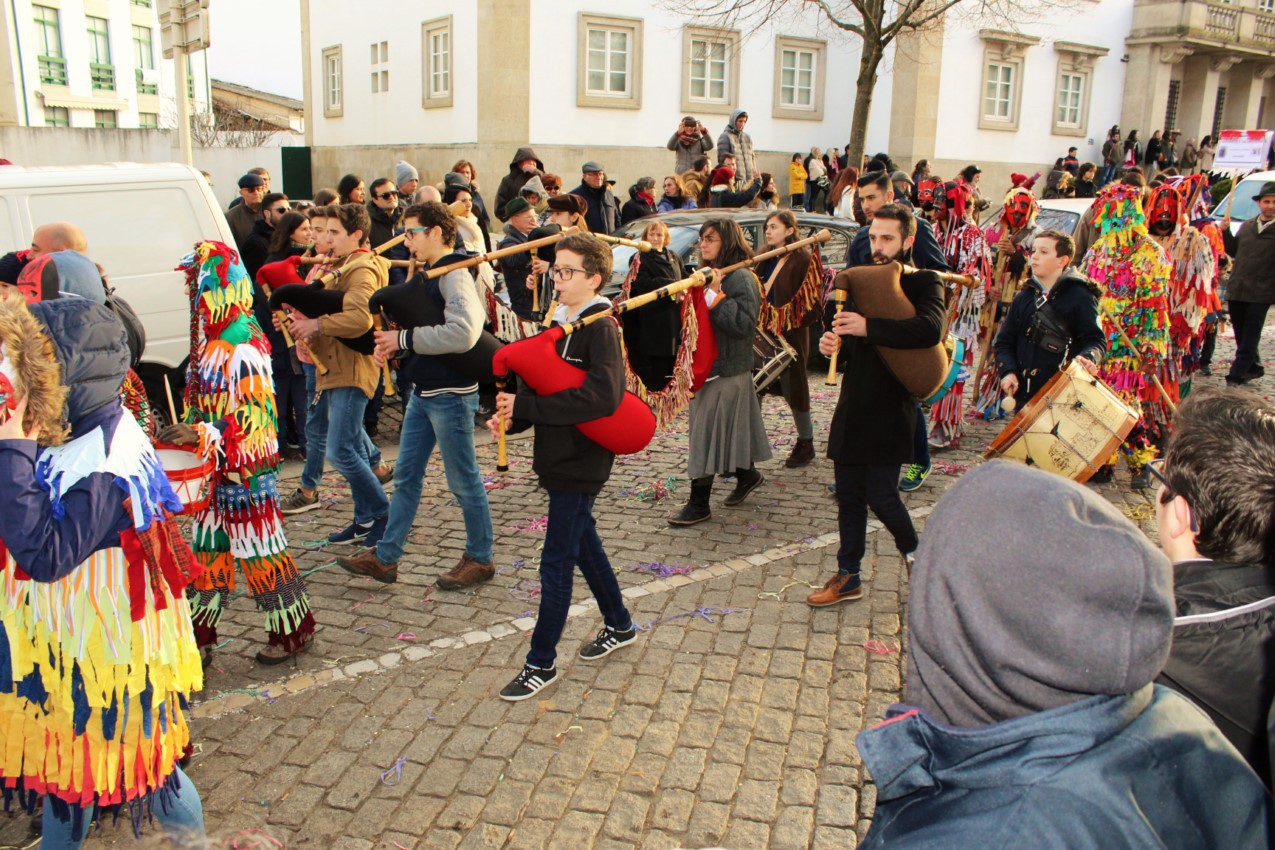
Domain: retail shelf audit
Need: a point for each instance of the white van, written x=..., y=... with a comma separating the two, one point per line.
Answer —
x=140, y=220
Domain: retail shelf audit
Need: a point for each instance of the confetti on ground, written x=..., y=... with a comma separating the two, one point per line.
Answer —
x=779, y=594
x=364, y=628
x=537, y=524
x=950, y=468
x=526, y=590
x=705, y=612
x=880, y=647
x=395, y=771
x=662, y=570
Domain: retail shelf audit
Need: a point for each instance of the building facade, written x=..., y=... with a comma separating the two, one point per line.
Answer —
x=443, y=80
x=90, y=64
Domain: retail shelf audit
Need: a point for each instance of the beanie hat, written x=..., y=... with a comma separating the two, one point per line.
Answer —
x=723, y=175
x=404, y=171
x=536, y=185
x=1031, y=592
x=569, y=203
x=1017, y=179
x=515, y=206
x=455, y=177
x=11, y=265
x=451, y=190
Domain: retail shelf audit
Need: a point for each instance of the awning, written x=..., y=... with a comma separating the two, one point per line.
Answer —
x=72, y=102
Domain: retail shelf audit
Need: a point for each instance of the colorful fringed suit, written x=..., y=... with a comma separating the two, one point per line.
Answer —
x=97, y=657
x=1134, y=273
x=966, y=251
x=230, y=397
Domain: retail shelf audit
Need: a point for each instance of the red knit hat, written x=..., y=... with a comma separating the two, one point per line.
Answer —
x=723, y=175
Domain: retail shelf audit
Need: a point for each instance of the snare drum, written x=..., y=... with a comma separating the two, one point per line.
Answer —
x=189, y=474
x=772, y=355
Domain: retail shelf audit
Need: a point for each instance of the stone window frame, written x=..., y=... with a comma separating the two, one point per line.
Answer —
x=333, y=107
x=817, y=46
x=1006, y=49
x=692, y=105
x=1077, y=60
x=429, y=29
x=584, y=22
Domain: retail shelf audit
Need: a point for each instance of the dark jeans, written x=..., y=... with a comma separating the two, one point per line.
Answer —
x=570, y=539
x=1248, y=319
x=921, y=438
x=1206, y=350
x=1108, y=174
x=290, y=397
x=877, y=487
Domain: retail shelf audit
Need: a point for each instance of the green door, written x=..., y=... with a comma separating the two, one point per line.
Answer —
x=297, y=182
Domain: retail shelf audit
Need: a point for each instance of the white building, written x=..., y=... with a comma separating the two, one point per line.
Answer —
x=89, y=64
x=436, y=81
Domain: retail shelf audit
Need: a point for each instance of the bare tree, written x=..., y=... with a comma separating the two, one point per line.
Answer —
x=223, y=126
x=876, y=23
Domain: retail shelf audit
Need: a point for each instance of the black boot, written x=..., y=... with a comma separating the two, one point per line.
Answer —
x=746, y=481
x=803, y=451
x=696, y=510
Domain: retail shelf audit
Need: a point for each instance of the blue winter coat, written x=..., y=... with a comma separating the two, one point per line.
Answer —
x=1147, y=770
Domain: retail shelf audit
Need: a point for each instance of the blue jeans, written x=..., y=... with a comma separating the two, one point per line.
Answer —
x=1108, y=174
x=447, y=420
x=921, y=438
x=181, y=815
x=570, y=539
x=861, y=487
x=316, y=434
x=349, y=457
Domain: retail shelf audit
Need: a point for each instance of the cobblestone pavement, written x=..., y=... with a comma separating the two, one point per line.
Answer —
x=730, y=722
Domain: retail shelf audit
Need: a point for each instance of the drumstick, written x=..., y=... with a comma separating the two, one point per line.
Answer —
x=172, y=408
x=839, y=296
x=502, y=453
x=1164, y=394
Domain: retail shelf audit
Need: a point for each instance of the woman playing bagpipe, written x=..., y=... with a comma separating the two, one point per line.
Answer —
x=230, y=413
x=727, y=434
x=97, y=656
x=792, y=285
x=651, y=334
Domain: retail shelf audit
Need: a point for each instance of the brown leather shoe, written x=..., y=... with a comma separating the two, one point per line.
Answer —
x=366, y=563
x=803, y=451
x=836, y=591
x=468, y=572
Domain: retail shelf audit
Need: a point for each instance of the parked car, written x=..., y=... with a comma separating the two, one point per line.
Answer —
x=1244, y=206
x=1055, y=214
x=684, y=237
x=140, y=220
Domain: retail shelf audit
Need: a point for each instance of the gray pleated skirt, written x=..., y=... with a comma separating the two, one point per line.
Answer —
x=727, y=431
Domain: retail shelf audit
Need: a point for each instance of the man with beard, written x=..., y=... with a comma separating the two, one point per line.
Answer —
x=872, y=429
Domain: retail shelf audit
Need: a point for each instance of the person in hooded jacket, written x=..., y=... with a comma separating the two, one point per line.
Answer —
x=1021, y=727
x=1212, y=497
x=1052, y=319
x=735, y=142
x=522, y=168
x=641, y=202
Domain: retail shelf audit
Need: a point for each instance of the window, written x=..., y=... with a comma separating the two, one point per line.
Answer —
x=710, y=70
x=148, y=120
x=49, y=41
x=1266, y=5
x=436, y=72
x=1071, y=91
x=1002, y=90
x=1171, y=105
x=101, y=71
x=57, y=116
x=609, y=62
x=107, y=118
x=380, y=69
x=145, y=4
x=144, y=59
x=1218, y=106
x=799, y=73
x=333, y=84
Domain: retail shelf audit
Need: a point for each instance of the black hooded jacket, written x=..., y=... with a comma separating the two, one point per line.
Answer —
x=511, y=184
x=1075, y=300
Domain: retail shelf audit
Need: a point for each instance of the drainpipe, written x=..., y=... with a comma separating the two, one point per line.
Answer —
x=22, y=71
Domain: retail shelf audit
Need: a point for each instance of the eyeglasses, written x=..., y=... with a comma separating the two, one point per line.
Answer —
x=385, y=196
x=412, y=230
x=1158, y=479
x=562, y=273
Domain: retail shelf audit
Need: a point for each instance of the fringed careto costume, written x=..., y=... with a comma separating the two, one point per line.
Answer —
x=966, y=251
x=1134, y=273
x=1012, y=236
x=230, y=398
x=97, y=657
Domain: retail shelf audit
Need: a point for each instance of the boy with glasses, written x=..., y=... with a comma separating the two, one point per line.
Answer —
x=441, y=409
x=1213, y=493
x=571, y=467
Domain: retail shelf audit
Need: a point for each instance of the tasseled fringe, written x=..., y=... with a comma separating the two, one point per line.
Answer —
x=792, y=315
x=669, y=402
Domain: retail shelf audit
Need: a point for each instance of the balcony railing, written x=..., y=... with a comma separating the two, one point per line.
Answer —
x=1213, y=23
x=145, y=88
x=52, y=70
x=1222, y=21
x=102, y=75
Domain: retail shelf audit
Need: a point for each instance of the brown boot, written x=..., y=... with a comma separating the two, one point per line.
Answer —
x=838, y=589
x=467, y=573
x=803, y=451
x=367, y=564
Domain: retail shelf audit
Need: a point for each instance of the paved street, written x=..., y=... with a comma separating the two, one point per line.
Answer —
x=730, y=722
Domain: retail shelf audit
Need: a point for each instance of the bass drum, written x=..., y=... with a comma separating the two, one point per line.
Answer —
x=955, y=348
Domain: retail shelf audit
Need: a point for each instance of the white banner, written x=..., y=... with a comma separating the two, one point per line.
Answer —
x=1242, y=150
